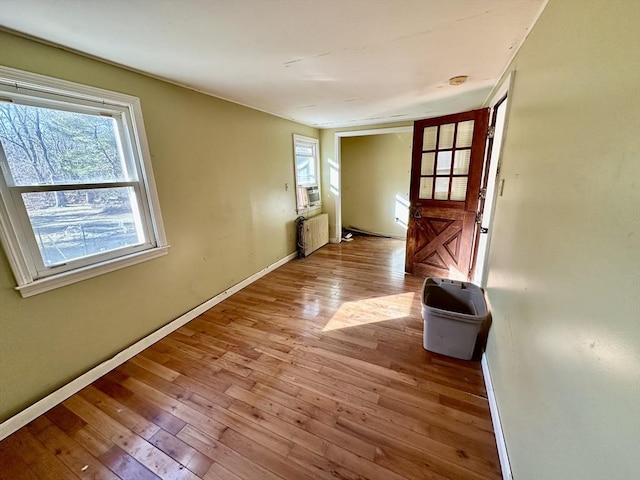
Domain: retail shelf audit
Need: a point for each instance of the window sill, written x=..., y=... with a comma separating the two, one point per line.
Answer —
x=67, y=278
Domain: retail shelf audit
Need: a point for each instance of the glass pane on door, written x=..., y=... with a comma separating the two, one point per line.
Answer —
x=459, y=189
x=426, y=167
x=442, y=189
x=444, y=163
x=461, y=162
x=426, y=185
x=446, y=135
x=465, y=134
x=429, y=138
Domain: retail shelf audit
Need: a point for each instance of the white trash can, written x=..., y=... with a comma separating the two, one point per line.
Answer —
x=453, y=313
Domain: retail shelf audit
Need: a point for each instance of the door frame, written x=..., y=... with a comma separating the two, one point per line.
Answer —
x=481, y=253
x=481, y=271
x=336, y=167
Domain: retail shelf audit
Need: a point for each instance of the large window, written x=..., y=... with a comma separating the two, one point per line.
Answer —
x=77, y=189
x=307, y=172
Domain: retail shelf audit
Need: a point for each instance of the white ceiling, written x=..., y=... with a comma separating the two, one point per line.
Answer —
x=325, y=63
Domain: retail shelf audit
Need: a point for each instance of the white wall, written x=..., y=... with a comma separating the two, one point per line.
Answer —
x=564, y=266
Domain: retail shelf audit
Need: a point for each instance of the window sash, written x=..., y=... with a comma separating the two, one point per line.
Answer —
x=125, y=132
x=37, y=264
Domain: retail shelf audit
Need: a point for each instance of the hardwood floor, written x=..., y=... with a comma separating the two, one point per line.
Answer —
x=314, y=371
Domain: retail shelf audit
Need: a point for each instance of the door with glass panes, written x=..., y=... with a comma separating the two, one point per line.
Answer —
x=446, y=171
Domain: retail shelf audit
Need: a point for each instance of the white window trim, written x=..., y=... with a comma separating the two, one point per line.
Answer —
x=11, y=237
x=316, y=144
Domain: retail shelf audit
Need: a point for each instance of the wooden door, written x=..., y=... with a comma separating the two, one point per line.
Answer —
x=446, y=171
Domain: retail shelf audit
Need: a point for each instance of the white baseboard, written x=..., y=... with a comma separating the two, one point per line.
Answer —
x=34, y=411
x=495, y=419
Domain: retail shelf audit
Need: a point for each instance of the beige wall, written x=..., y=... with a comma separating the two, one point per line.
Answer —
x=564, y=278
x=220, y=170
x=375, y=168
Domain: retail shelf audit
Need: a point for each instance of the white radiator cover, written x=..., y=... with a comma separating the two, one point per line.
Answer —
x=315, y=233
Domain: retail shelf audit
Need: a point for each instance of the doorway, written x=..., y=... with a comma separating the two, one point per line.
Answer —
x=335, y=176
x=375, y=184
x=499, y=103
x=480, y=253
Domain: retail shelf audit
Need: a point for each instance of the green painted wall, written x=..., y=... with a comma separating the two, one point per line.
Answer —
x=375, y=168
x=220, y=171
x=564, y=265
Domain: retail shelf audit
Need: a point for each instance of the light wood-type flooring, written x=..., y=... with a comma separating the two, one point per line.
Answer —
x=317, y=370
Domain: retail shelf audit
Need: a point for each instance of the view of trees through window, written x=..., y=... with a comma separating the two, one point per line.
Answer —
x=71, y=173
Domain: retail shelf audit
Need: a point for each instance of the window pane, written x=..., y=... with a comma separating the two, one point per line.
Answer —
x=429, y=138
x=461, y=162
x=442, y=189
x=465, y=134
x=426, y=168
x=44, y=146
x=459, y=188
x=426, y=185
x=77, y=223
x=306, y=170
x=446, y=135
x=444, y=163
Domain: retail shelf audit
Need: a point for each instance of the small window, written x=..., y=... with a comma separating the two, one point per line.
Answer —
x=77, y=189
x=307, y=172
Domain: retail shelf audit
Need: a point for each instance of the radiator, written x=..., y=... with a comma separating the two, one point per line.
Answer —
x=313, y=233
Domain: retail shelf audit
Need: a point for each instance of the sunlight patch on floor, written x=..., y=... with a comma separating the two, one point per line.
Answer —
x=371, y=310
